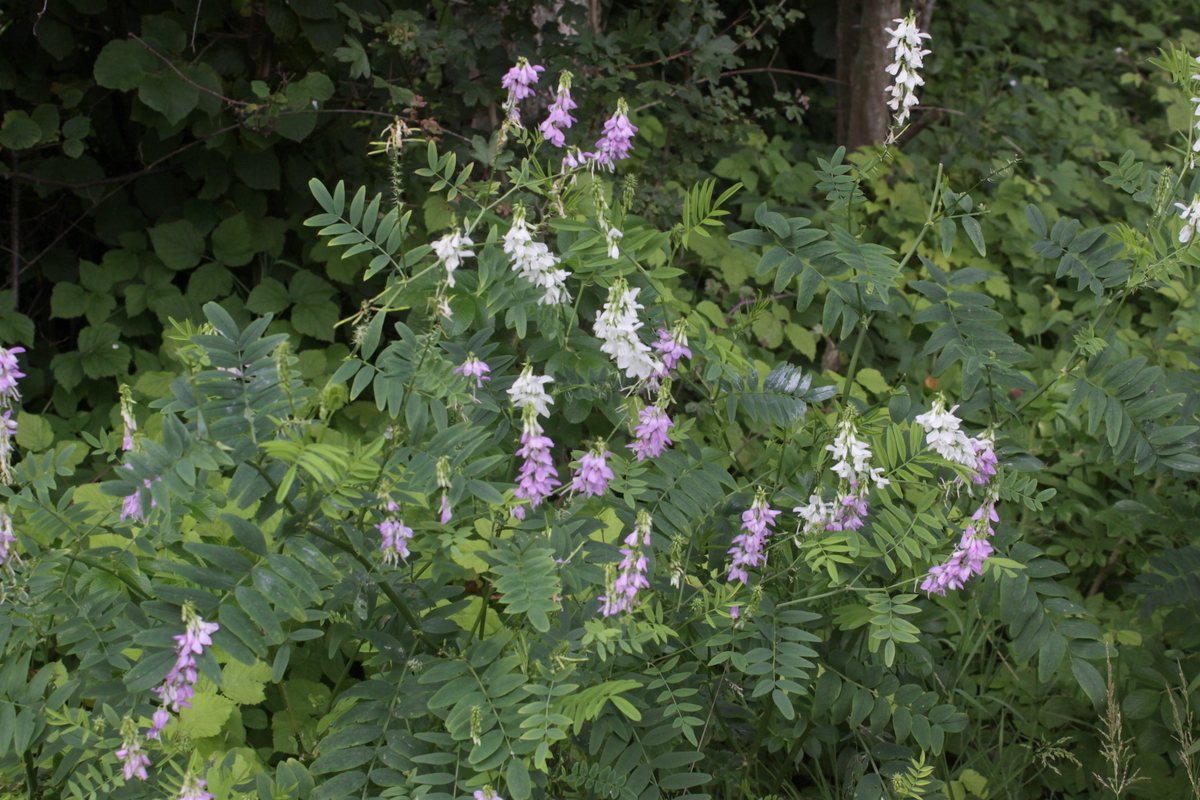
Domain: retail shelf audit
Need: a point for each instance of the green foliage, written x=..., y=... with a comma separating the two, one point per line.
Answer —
x=196, y=222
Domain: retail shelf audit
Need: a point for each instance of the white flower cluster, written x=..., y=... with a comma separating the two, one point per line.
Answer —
x=944, y=435
x=906, y=42
x=527, y=391
x=451, y=250
x=1191, y=218
x=816, y=515
x=535, y=262
x=853, y=456
x=617, y=325
x=1196, y=100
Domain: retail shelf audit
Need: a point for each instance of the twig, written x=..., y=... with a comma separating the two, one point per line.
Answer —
x=205, y=89
x=118, y=188
x=25, y=176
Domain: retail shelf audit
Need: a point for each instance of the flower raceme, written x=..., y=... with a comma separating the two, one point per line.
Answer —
x=617, y=325
x=907, y=60
x=534, y=261
x=451, y=249
x=519, y=81
x=9, y=375
x=127, y=419
x=672, y=345
x=527, y=391
x=7, y=537
x=594, y=474
x=179, y=686
x=133, y=759
x=944, y=434
x=631, y=572
x=394, y=536
x=967, y=559
x=749, y=546
x=559, y=118
x=1191, y=217
x=193, y=788
x=9, y=397
x=538, y=475
x=617, y=140
x=653, y=433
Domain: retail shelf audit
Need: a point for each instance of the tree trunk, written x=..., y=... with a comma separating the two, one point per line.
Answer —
x=862, y=55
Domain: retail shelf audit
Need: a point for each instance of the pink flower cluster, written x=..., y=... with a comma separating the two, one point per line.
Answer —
x=559, y=118
x=617, y=140
x=133, y=760
x=131, y=506
x=614, y=145
x=9, y=397
x=673, y=345
x=519, y=81
x=538, y=475
x=594, y=473
x=175, y=694
x=653, y=433
x=394, y=536
x=967, y=560
x=749, y=546
x=193, y=788
x=975, y=545
x=179, y=686
x=631, y=572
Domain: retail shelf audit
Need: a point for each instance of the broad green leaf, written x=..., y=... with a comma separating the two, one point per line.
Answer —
x=206, y=716
x=169, y=94
x=245, y=683
x=33, y=432
x=178, y=244
x=19, y=131
x=233, y=244
x=101, y=353
x=269, y=297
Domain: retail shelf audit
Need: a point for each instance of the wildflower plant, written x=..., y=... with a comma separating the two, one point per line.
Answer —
x=391, y=582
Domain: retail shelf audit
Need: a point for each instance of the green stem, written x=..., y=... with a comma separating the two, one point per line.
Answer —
x=413, y=621
x=862, y=334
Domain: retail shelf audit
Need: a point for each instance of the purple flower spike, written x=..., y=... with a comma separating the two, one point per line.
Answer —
x=973, y=549
x=985, y=459
x=673, y=346
x=652, y=432
x=538, y=476
x=617, y=140
x=749, y=547
x=559, y=119
x=594, y=473
x=394, y=536
x=9, y=375
x=133, y=760
x=519, y=81
x=447, y=514
x=178, y=687
x=631, y=573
